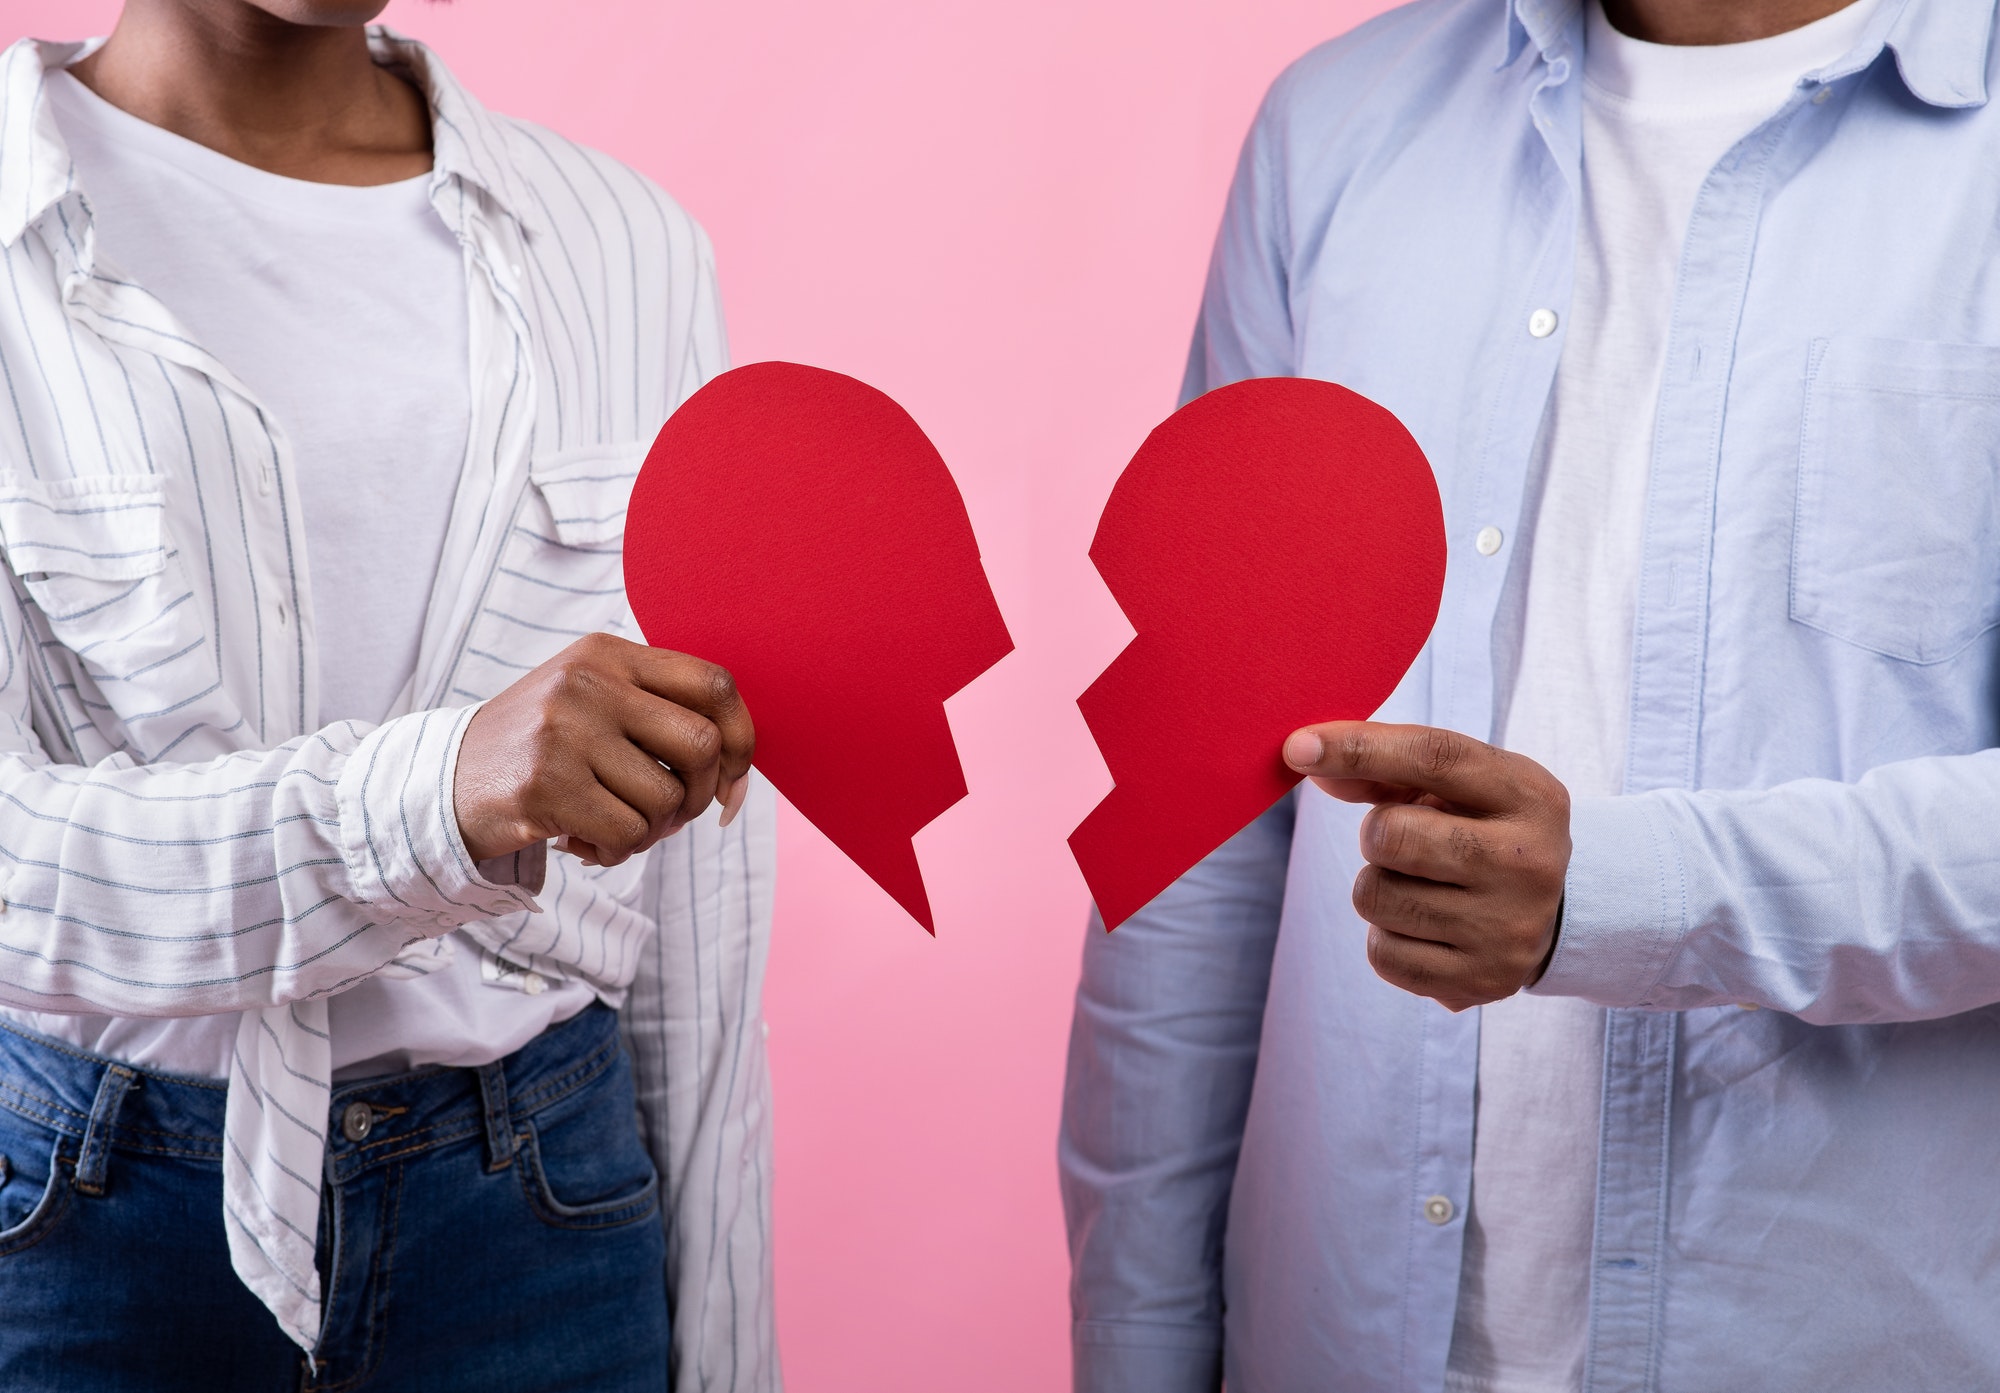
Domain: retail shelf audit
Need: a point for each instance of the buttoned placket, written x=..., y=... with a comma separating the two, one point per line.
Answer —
x=1483, y=519
x=1670, y=633
x=1639, y=1058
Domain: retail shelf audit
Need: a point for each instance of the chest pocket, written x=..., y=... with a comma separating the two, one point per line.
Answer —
x=1896, y=541
x=561, y=571
x=123, y=655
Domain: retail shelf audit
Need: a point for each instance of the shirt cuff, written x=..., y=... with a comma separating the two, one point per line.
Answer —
x=399, y=828
x=1134, y=1357
x=1624, y=904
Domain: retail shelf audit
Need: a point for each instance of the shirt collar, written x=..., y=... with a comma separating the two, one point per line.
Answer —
x=36, y=171
x=1543, y=23
x=1941, y=46
x=468, y=142
x=35, y=167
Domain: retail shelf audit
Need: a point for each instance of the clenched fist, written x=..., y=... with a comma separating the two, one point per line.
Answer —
x=608, y=746
x=1467, y=848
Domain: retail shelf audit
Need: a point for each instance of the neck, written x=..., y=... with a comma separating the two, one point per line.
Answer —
x=307, y=101
x=1700, y=22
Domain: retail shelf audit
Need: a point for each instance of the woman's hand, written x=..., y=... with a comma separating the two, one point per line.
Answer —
x=609, y=745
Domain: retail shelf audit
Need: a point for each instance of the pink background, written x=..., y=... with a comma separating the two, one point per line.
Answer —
x=999, y=214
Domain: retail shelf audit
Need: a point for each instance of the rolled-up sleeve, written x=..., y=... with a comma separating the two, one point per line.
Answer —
x=240, y=883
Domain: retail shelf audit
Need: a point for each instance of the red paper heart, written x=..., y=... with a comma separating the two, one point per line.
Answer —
x=1279, y=546
x=797, y=527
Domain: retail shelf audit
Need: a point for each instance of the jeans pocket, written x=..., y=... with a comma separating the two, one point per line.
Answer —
x=1896, y=541
x=583, y=1162
x=35, y=1193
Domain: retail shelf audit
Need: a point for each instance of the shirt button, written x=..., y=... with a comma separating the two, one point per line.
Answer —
x=357, y=1120
x=1819, y=97
x=534, y=984
x=284, y=615
x=1439, y=1209
x=1488, y=541
x=1542, y=323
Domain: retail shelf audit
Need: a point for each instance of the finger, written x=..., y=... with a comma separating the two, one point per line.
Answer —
x=685, y=741
x=612, y=828
x=643, y=784
x=1413, y=907
x=706, y=689
x=1451, y=766
x=1364, y=791
x=1423, y=968
x=580, y=849
x=1418, y=840
x=1305, y=751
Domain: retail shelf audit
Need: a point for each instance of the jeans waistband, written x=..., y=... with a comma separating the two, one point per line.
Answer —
x=108, y=1105
x=413, y=1112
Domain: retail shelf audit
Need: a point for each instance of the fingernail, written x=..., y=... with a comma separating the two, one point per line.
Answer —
x=1304, y=749
x=732, y=803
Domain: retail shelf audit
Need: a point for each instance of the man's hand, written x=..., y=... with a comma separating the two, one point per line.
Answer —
x=1467, y=846
x=608, y=745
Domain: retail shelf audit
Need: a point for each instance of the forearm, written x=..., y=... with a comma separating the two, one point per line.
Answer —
x=1839, y=903
x=249, y=881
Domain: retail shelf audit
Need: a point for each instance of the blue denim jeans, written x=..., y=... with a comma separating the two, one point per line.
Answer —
x=492, y=1229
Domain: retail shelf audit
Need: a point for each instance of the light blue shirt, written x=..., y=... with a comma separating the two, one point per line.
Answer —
x=1267, y=1151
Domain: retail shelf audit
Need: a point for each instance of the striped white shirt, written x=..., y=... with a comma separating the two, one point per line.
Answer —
x=178, y=834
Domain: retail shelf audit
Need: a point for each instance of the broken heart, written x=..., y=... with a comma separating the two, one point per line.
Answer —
x=1279, y=547
x=797, y=527
x=1277, y=544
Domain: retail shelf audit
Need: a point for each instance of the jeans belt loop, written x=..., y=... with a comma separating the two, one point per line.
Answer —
x=91, y=1161
x=499, y=1129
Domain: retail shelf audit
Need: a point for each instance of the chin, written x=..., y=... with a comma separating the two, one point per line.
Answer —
x=324, y=13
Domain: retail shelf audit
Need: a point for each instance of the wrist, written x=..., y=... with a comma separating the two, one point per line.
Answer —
x=399, y=831
x=1555, y=937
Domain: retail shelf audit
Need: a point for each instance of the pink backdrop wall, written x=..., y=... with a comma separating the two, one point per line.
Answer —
x=999, y=214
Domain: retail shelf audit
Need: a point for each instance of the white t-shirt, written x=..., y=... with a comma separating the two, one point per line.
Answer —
x=343, y=311
x=1656, y=119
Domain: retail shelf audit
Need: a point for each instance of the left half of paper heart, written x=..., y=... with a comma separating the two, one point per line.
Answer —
x=797, y=527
